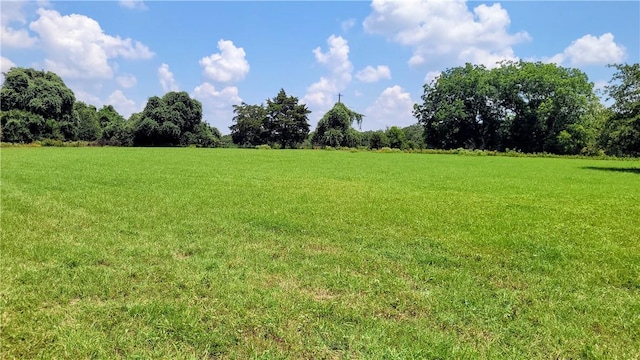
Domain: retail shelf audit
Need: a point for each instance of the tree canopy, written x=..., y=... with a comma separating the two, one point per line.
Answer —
x=282, y=122
x=518, y=105
x=174, y=119
x=335, y=127
x=621, y=133
x=42, y=106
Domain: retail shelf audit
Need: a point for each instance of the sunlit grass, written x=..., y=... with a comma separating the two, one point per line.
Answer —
x=195, y=253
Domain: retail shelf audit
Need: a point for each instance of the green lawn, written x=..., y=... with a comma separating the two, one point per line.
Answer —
x=197, y=253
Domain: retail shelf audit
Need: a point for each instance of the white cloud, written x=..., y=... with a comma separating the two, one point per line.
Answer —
x=87, y=98
x=431, y=75
x=416, y=60
x=77, y=48
x=591, y=50
x=217, y=104
x=122, y=104
x=133, y=4
x=5, y=65
x=320, y=95
x=393, y=107
x=127, y=81
x=347, y=24
x=166, y=79
x=12, y=13
x=371, y=74
x=445, y=31
x=337, y=58
x=16, y=38
x=228, y=65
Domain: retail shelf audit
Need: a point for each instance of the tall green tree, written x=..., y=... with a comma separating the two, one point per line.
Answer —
x=44, y=94
x=621, y=133
x=175, y=119
x=247, y=130
x=115, y=130
x=533, y=107
x=88, y=124
x=335, y=127
x=397, y=139
x=414, y=135
x=286, y=122
x=378, y=140
x=540, y=100
x=456, y=109
x=19, y=126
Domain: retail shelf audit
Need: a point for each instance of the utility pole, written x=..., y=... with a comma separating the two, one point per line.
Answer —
x=339, y=95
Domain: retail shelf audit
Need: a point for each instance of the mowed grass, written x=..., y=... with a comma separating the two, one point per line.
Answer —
x=206, y=253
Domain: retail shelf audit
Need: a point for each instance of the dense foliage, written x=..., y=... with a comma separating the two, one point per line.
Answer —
x=334, y=129
x=283, y=122
x=522, y=106
x=175, y=119
x=37, y=105
x=530, y=107
x=40, y=106
x=621, y=134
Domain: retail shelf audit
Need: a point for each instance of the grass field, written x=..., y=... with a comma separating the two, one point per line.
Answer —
x=204, y=253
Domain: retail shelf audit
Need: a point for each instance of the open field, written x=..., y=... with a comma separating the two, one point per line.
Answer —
x=197, y=253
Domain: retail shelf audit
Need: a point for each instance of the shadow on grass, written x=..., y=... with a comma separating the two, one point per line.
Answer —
x=614, y=169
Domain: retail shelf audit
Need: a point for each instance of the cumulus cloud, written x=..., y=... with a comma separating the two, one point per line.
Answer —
x=591, y=50
x=166, y=79
x=346, y=25
x=320, y=94
x=5, y=65
x=371, y=74
x=77, y=48
x=133, y=4
x=228, y=65
x=445, y=31
x=87, y=98
x=10, y=37
x=393, y=107
x=217, y=104
x=122, y=104
x=431, y=76
x=16, y=38
x=127, y=80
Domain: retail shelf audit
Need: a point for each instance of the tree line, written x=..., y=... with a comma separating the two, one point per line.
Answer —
x=523, y=106
x=531, y=107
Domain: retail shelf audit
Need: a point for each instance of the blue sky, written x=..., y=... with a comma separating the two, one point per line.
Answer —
x=377, y=54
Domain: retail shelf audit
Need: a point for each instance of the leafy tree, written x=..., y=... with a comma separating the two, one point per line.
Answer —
x=115, y=130
x=543, y=99
x=248, y=129
x=334, y=129
x=396, y=137
x=532, y=107
x=414, y=135
x=455, y=110
x=581, y=137
x=20, y=126
x=378, y=140
x=88, y=124
x=621, y=133
x=286, y=122
x=174, y=119
x=43, y=94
